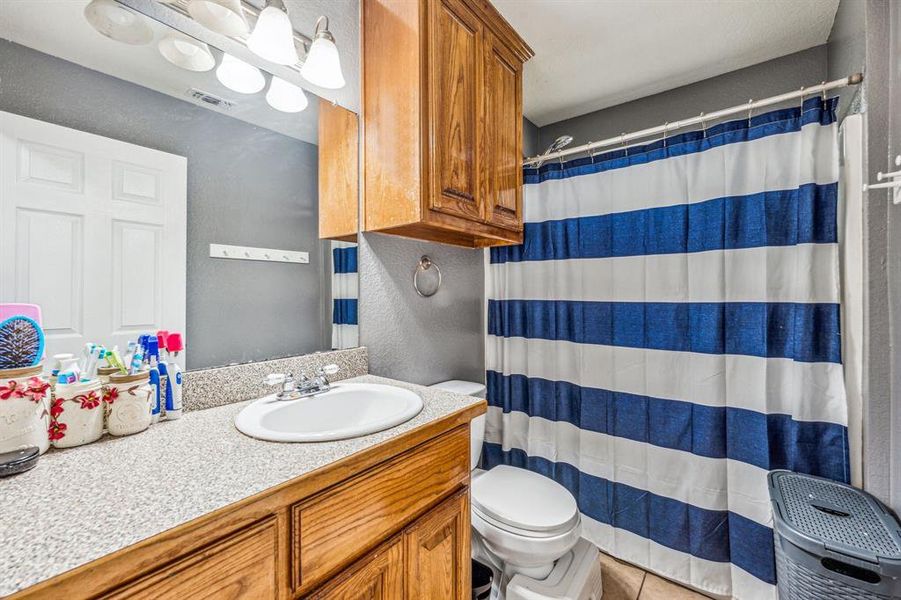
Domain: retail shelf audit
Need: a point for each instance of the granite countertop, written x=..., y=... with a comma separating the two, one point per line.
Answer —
x=80, y=504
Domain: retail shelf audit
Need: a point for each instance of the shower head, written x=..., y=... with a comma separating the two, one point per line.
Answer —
x=560, y=143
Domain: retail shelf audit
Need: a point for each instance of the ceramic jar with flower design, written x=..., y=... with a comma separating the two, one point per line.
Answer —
x=24, y=403
x=129, y=403
x=76, y=414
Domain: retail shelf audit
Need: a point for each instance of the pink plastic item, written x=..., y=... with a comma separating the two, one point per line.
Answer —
x=174, y=342
x=32, y=311
x=161, y=336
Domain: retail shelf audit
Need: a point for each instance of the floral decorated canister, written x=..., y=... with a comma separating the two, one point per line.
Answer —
x=103, y=374
x=129, y=400
x=76, y=414
x=24, y=404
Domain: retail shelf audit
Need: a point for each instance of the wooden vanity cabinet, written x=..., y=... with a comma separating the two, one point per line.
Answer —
x=442, y=121
x=391, y=522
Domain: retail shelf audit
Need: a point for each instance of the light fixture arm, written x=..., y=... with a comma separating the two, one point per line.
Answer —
x=324, y=32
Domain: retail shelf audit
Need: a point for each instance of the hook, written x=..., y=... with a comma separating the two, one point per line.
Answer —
x=703, y=124
x=823, y=84
x=802, y=99
x=750, y=111
x=591, y=151
x=622, y=141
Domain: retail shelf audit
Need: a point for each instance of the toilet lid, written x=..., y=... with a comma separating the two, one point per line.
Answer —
x=524, y=500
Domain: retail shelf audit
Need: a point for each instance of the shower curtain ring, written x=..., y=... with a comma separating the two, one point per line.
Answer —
x=665, y=126
x=823, y=85
x=750, y=111
x=622, y=141
x=591, y=151
x=802, y=99
x=703, y=124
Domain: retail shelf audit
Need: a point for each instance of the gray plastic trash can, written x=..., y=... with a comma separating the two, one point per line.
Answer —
x=832, y=540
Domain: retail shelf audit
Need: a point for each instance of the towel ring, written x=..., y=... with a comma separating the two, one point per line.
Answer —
x=425, y=263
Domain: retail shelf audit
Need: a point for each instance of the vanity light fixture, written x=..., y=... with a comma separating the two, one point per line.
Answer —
x=322, y=65
x=118, y=23
x=285, y=96
x=222, y=16
x=238, y=76
x=273, y=35
x=186, y=52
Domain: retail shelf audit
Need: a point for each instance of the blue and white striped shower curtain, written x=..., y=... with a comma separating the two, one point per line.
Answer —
x=345, y=286
x=668, y=332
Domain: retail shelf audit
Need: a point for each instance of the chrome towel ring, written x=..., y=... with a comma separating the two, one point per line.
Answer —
x=425, y=263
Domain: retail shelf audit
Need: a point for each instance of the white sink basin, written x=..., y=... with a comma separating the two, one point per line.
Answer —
x=347, y=410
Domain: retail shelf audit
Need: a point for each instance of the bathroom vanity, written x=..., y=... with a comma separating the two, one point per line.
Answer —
x=385, y=515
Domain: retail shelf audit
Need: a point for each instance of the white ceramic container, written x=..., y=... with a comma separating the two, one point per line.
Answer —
x=76, y=414
x=24, y=409
x=129, y=400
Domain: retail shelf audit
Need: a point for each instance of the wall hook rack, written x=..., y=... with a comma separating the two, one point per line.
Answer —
x=893, y=183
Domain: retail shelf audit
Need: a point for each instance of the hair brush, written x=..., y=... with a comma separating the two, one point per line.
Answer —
x=21, y=342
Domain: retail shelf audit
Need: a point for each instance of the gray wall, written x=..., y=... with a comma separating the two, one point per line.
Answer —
x=758, y=81
x=423, y=340
x=246, y=186
x=531, y=142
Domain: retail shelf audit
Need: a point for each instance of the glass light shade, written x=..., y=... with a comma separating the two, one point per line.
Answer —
x=118, y=23
x=222, y=16
x=237, y=75
x=322, y=65
x=273, y=37
x=285, y=96
x=186, y=52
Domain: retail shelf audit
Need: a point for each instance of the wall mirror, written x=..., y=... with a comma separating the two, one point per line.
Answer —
x=156, y=174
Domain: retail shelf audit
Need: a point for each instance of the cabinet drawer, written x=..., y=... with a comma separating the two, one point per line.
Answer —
x=337, y=526
x=242, y=565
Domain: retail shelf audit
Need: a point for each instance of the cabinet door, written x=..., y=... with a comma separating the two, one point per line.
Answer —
x=455, y=109
x=503, y=155
x=438, y=552
x=339, y=169
x=378, y=576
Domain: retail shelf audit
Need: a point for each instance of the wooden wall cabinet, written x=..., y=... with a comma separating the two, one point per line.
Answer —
x=442, y=121
x=339, y=168
x=393, y=524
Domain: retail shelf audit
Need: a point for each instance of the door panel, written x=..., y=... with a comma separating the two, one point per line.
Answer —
x=438, y=552
x=503, y=84
x=379, y=576
x=95, y=229
x=456, y=104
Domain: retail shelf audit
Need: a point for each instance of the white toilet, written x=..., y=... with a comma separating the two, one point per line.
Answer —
x=524, y=524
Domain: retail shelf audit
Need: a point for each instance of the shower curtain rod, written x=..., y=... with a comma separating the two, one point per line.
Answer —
x=701, y=119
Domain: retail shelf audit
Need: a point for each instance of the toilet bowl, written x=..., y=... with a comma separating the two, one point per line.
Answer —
x=522, y=522
x=525, y=520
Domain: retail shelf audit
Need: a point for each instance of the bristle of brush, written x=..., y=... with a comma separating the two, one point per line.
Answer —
x=21, y=343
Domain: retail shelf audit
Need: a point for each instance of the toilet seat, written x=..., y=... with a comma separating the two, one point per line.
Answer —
x=524, y=503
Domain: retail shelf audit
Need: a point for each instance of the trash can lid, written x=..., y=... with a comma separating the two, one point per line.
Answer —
x=817, y=513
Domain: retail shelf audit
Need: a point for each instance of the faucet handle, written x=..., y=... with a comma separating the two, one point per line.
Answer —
x=327, y=370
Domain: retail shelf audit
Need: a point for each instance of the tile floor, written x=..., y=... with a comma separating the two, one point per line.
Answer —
x=623, y=581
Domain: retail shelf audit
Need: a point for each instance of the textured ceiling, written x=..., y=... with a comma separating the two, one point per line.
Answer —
x=57, y=27
x=592, y=54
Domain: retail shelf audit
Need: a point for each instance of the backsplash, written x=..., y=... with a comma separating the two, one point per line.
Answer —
x=208, y=388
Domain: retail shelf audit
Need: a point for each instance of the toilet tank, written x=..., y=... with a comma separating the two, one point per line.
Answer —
x=477, y=427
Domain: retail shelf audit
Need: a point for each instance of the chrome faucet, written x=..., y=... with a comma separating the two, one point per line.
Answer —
x=293, y=389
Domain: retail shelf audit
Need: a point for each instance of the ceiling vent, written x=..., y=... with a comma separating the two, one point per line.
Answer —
x=207, y=98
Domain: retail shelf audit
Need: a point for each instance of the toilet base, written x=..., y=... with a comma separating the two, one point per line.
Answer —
x=576, y=576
